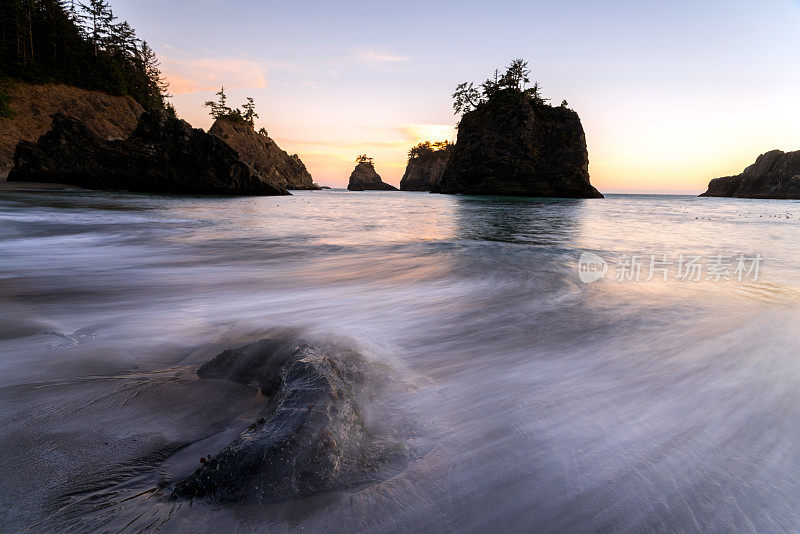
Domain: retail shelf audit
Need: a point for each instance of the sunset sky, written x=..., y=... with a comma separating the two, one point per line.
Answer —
x=671, y=94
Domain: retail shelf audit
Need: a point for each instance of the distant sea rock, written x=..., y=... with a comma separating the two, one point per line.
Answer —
x=310, y=438
x=263, y=154
x=514, y=145
x=364, y=178
x=108, y=117
x=163, y=155
x=775, y=174
x=424, y=173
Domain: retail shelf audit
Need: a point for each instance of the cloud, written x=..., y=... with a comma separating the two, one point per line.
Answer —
x=190, y=73
x=380, y=58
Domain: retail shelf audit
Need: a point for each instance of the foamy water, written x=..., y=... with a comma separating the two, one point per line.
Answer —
x=543, y=403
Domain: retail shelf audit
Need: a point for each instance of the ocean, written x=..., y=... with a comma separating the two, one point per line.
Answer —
x=625, y=364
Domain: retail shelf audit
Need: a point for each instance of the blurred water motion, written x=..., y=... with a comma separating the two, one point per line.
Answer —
x=551, y=405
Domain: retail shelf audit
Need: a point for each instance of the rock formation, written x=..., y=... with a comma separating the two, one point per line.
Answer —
x=775, y=174
x=513, y=144
x=108, y=117
x=163, y=155
x=423, y=173
x=262, y=154
x=364, y=178
x=310, y=438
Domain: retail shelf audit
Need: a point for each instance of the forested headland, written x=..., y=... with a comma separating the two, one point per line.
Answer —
x=83, y=45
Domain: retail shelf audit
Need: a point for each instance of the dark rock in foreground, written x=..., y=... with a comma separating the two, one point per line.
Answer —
x=262, y=154
x=514, y=145
x=312, y=436
x=775, y=174
x=163, y=155
x=364, y=178
x=424, y=173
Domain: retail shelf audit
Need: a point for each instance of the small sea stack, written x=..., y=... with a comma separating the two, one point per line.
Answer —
x=426, y=164
x=365, y=178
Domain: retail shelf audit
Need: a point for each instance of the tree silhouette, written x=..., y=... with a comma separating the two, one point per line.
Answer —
x=249, y=111
x=100, y=20
x=66, y=41
x=466, y=98
x=427, y=149
x=219, y=108
x=513, y=82
x=516, y=75
x=363, y=158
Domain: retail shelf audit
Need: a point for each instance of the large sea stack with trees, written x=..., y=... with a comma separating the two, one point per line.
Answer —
x=512, y=142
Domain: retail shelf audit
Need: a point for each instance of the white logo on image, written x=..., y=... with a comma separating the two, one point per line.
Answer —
x=591, y=267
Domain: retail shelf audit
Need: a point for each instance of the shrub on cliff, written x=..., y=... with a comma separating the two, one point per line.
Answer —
x=363, y=158
x=221, y=110
x=425, y=150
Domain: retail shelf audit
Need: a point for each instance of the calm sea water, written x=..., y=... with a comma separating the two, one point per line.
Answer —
x=544, y=403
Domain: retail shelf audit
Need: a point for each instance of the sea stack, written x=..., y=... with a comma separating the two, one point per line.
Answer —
x=364, y=177
x=259, y=151
x=163, y=155
x=775, y=174
x=426, y=164
x=513, y=143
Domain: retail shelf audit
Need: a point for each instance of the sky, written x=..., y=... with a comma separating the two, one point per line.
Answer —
x=670, y=94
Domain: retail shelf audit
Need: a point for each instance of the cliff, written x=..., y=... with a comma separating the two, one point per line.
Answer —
x=263, y=154
x=108, y=117
x=163, y=155
x=364, y=178
x=515, y=145
x=775, y=174
x=424, y=173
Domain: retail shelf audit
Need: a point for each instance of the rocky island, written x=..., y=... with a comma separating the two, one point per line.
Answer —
x=259, y=151
x=775, y=174
x=512, y=142
x=163, y=155
x=426, y=164
x=365, y=178
x=237, y=128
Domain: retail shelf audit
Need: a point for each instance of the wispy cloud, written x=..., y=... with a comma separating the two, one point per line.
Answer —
x=191, y=73
x=380, y=58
